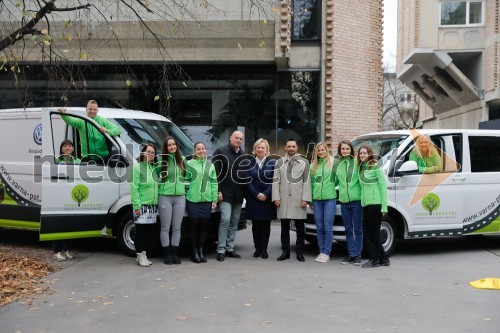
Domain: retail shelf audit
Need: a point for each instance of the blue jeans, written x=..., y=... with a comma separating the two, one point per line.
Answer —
x=324, y=213
x=229, y=218
x=352, y=216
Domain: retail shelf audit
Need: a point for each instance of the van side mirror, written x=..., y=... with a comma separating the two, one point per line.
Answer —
x=407, y=168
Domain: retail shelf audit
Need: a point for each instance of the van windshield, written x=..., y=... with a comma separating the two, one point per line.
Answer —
x=138, y=131
x=382, y=145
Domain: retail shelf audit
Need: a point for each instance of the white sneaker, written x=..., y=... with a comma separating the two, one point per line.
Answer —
x=318, y=258
x=59, y=256
x=326, y=258
x=68, y=255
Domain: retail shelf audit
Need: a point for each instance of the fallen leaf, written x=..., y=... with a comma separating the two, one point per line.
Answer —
x=247, y=305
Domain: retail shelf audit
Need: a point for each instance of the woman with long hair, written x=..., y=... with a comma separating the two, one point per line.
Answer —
x=350, y=201
x=171, y=199
x=426, y=155
x=144, y=197
x=259, y=207
x=323, y=199
x=201, y=198
x=62, y=247
x=374, y=203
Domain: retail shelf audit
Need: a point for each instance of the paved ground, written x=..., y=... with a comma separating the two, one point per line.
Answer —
x=424, y=290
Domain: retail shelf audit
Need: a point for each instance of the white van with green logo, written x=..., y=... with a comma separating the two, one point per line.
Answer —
x=64, y=201
x=463, y=198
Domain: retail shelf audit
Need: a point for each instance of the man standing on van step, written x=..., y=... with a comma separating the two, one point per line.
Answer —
x=92, y=142
x=227, y=161
x=291, y=192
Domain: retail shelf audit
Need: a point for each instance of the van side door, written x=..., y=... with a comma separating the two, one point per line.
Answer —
x=439, y=204
x=482, y=180
x=76, y=195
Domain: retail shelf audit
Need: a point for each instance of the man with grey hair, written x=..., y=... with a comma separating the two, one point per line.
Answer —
x=227, y=160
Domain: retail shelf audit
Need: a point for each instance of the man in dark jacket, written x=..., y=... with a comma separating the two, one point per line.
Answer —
x=227, y=161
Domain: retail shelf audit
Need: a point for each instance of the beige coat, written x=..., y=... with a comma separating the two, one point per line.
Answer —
x=291, y=185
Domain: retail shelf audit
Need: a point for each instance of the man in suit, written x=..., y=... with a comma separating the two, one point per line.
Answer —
x=291, y=192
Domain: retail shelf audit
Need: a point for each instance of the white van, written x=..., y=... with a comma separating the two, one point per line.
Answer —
x=462, y=199
x=74, y=200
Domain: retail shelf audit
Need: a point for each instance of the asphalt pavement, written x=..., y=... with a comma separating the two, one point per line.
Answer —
x=424, y=290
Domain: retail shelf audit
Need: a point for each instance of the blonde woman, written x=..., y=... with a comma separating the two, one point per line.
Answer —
x=324, y=199
x=426, y=155
x=259, y=208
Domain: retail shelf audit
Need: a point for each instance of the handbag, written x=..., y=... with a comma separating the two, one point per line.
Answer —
x=149, y=214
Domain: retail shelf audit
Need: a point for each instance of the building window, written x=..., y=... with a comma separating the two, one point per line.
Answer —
x=306, y=20
x=462, y=13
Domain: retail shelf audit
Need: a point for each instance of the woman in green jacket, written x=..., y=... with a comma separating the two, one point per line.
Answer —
x=201, y=198
x=144, y=197
x=171, y=199
x=350, y=201
x=324, y=203
x=426, y=155
x=374, y=203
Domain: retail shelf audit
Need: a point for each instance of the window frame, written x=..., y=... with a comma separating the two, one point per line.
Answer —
x=467, y=11
x=307, y=41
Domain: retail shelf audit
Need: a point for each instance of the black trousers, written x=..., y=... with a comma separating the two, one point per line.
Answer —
x=143, y=237
x=285, y=235
x=261, y=230
x=372, y=219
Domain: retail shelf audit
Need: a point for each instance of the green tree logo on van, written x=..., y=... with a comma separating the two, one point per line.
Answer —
x=80, y=194
x=431, y=202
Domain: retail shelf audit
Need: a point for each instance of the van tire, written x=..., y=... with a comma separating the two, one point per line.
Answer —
x=311, y=239
x=126, y=234
x=388, y=233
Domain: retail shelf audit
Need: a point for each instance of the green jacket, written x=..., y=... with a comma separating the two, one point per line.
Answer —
x=143, y=185
x=323, y=181
x=74, y=160
x=347, y=173
x=429, y=164
x=202, y=180
x=373, y=186
x=173, y=184
x=96, y=142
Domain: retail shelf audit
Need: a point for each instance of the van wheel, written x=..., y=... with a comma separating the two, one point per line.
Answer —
x=388, y=233
x=126, y=234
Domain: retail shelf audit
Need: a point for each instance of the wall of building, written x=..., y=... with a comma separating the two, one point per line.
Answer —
x=357, y=68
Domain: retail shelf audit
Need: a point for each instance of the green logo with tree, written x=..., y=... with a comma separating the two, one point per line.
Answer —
x=431, y=202
x=80, y=194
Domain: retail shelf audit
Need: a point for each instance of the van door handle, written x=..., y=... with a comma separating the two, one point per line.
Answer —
x=60, y=177
x=456, y=178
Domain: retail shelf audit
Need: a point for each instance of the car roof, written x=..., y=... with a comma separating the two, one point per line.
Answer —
x=104, y=112
x=437, y=131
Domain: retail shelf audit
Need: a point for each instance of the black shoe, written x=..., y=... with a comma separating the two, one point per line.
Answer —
x=285, y=255
x=175, y=255
x=257, y=253
x=201, y=255
x=385, y=262
x=300, y=257
x=264, y=255
x=195, y=257
x=357, y=261
x=371, y=264
x=220, y=256
x=167, y=252
x=347, y=260
x=232, y=254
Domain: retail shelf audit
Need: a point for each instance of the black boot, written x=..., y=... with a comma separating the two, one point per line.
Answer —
x=167, y=253
x=195, y=257
x=175, y=255
x=200, y=254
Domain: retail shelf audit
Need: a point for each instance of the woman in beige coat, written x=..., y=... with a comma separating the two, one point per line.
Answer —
x=291, y=194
